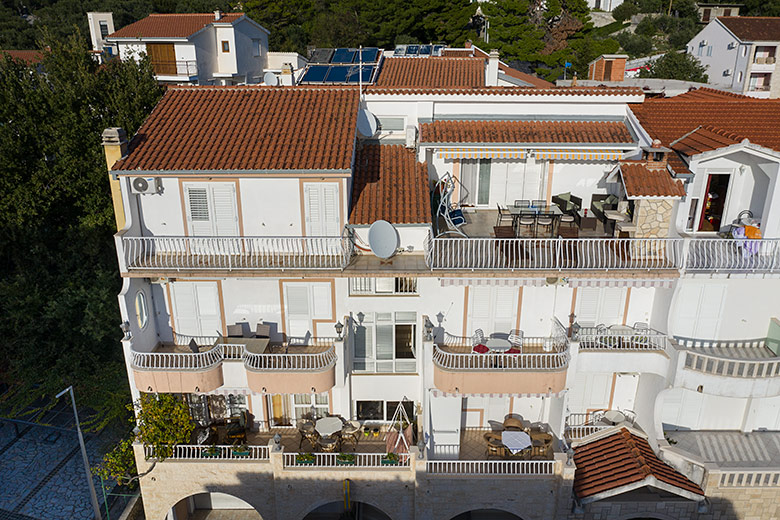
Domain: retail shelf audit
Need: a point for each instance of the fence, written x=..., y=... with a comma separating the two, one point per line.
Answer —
x=715, y=254
x=600, y=338
x=749, y=478
x=490, y=467
x=177, y=360
x=556, y=359
x=346, y=460
x=290, y=362
x=198, y=452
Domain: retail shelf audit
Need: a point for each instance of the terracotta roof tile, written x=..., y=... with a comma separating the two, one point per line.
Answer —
x=703, y=140
x=641, y=181
x=28, y=57
x=708, y=94
x=619, y=460
x=171, y=25
x=509, y=71
x=525, y=132
x=389, y=184
x=247, y=128
x=432, y=73
x=753, y=28
x=508, y=91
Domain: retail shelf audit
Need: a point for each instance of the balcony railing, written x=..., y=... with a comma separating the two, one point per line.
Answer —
x=728, y=367
x=557, y=254
x=200, y=452
x=290, y=362
x=556, y=359
x=747, y=478
x=175, y=67
x=251, y=253
x=331, y=460
x=727, y=254
x=490, y=467
x=597, y=338
x=177, y=360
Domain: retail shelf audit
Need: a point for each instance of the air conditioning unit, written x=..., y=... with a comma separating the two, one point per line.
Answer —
x=727, y=72
x=411, y=136
x=145, y=185
x=731, y=45
x=703, y=43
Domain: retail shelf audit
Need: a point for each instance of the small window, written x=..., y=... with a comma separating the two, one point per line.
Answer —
x=744, y=50
x=392, y=406
x=709, y=50
x=739, y=77
x=103, y=29
x=225, y=46
x=391, y=124
x=141, y=309
x=256, y=47
x=727, y=12
x=370, y=410
x=692, y=212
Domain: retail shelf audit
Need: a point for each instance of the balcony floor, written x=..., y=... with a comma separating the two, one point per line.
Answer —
x=731, y=449
x=272, y=348
x=480, y=223
x=474, y=447
x=291, y=441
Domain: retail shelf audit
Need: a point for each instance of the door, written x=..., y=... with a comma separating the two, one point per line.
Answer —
x=305, y=303
x=607, y=70
x=321, y=209
x=492, y=309
x=163, y=58
x=196, y=308
x=211, y=209
x=714, y=206
x=624, y=394
x=532, y=180
x=475, y=177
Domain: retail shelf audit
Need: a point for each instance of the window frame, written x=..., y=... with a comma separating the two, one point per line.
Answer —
x=257, y=47
x=368, y=364
x=368, y=287
x=141, y=304
x=225, y=46
x=386, y=413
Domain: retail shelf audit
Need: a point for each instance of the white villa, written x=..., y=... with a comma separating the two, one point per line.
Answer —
x=576, y=317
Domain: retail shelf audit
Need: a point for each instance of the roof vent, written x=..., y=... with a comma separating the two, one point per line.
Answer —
x=656, y=143
x=217, y=15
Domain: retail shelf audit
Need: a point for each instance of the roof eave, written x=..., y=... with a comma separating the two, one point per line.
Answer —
x=651, y=481
x=627, y=146
x=736, y=147
x=176, y=173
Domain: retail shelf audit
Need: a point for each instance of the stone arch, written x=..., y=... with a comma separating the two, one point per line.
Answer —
x=322, y=507
x=497, y=514
x=190, y=507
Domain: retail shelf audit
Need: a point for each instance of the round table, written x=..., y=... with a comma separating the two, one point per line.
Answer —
x=515, y=441
x=614, y=416
x=498, y=344
x=328, y=426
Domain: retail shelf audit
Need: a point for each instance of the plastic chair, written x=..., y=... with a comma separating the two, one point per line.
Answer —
x=522, y=203
x=478, y=338
x=516, y=338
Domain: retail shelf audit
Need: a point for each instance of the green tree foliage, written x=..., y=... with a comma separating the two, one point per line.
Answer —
x=675, y=65
x=59, y=279
x=760, y=8
x=625, y=11
x=635, y=44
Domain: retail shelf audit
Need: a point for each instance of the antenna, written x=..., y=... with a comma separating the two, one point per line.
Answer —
x=270, y=79
x=383, y=239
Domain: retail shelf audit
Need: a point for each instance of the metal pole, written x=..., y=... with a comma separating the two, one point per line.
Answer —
x=92, y=494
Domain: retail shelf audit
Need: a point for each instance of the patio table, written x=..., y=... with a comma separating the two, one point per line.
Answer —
x=550, y=210
x=515, y=441
x=498, y=344
x=328, y=426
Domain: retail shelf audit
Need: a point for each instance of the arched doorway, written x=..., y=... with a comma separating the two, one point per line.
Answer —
x=212, y=506
x=337, y=511
x=486, y=514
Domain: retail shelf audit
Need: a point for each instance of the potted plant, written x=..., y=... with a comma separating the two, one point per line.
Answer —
x=210, y=452
x=375, y=431
x=366, y=431
x=345, y=459
x=306, y=459
x=390, y=459
x=241, y=450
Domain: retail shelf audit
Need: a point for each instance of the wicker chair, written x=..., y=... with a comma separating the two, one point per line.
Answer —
x=350, y=433
x=496, y=449
x=328, y=444
x=307, y=431
x=513, y=423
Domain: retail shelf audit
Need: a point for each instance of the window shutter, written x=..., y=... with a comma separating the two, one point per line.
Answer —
x=198, y=214
x=479, y=309
x=532, y=183
x=313, y=210
x=209, y=316
x=587, y=306
x=331, y=220
x=384, y=341
x=184, y=308
x=322, y=306
x=298, y=309
x=612, y=305
x=225, y=214
x=405, y=317
x=710, y=307
x=504, y=310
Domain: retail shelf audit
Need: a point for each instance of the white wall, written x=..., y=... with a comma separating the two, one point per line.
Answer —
x=161, y=213
x=251, y=301
x=721, y=57
x=250, y=66
x=581, y=179
x=409, y=236
x=226, y=61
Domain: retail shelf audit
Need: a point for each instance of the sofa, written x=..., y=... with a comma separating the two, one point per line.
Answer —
x=569, y=204
x=601, y=203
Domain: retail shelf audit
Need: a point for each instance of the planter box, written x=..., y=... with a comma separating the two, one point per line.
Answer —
x=389, y=462
x=304, y=462
x=345, y=462
x=207, y=455
x=239, y=453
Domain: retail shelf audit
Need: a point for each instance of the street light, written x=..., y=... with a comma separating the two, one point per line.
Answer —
x=92, y=495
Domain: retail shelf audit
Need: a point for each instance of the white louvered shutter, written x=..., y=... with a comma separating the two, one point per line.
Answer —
x=313, y=210
x=385, y=347
x=710, y=306
x=587, y=306
x=225, y=217
x=322, y=305
x=184, y=308
x=686, y=312
x=330, y=217
x=480, y=310
x=298, y=317
x=504, y=310
x=198, y=211
x=209, y=316
x=532, y=182
x=612, y=306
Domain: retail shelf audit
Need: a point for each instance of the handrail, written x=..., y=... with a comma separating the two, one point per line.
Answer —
x=723, y=365
x=331, y=460
x=555, y=253
x=223, y=452
x=490, y=467
x=184, y=339
x=556, y=359
x=727, y=254
x=290, y=362
x=175, y=67
x=201, y=253
x=595, y=338
x=177, y=360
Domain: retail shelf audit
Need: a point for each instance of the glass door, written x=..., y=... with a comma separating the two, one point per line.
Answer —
x=714, y=204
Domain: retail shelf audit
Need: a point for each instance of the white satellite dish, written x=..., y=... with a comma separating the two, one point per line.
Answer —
x=366, y=124
x=383, y=239
x=270, y=79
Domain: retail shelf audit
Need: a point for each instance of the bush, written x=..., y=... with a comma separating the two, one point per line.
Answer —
x=676, y=65
x=647, y=27
x=624, y=11
x=635, y=44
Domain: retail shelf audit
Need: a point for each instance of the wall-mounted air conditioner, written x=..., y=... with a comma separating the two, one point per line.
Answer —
x=145, y=185
x=703, y=43
x=727, y=72
x=411, y=136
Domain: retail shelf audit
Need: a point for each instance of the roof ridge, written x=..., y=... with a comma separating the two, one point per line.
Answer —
x=194, y=14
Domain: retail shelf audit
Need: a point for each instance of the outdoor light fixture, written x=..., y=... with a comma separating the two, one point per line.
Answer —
x=361, y=317
x=339, y=329
x=277, y=441
x=428, y=329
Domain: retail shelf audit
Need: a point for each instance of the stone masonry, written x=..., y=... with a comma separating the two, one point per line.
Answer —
x=652, y=217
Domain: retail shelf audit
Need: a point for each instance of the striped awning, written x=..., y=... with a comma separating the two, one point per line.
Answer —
x=439, y=393
x=493, y=282
x=229, y=391
x=481, y=153
x=579, y=155
x=658, y=283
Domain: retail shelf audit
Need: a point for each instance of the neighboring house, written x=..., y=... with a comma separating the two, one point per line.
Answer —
x=100, y=26
x=204, y=49
x=474, y=277
x=708, y=12
x=740, y=54
x=30, y=57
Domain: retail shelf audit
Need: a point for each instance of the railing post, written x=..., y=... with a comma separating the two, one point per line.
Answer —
x=685, y=249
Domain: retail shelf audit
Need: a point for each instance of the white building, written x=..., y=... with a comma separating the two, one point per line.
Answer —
x=636, y=314
x=739, y=54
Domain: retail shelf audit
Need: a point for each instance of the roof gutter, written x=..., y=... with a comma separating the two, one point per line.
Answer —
x=174, y=173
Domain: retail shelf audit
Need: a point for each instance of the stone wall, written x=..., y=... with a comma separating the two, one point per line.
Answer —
x=652, y=217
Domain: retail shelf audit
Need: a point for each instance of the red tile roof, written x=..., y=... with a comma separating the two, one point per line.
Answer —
x=509, y=71
x=708, y=94
x=389, y=184
x=704, y=139
x=619, y=460
x=525, y=132
x=432, y=73
x=247, y=128
x=753, y=28
x=641, y=181
x=28, y=57
x=171, y=25
x=508, y=91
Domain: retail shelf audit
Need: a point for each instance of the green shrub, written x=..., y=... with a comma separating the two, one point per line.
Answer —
x=625, y=11
x=635, y=44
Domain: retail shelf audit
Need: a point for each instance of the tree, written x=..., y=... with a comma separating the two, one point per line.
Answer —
x=625, y=11
x=676, y=65
x=635, y=44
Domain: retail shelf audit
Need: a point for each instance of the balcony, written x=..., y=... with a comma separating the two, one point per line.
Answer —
x=733, y=255
x=146, y=255
x=621, y=338
x=175, y=68
x=175, y=369
x=293, y=368
x=540, y=368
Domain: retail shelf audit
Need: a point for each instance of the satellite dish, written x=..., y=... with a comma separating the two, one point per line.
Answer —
x=270, y=79
x=366, y=124
x=383, y=239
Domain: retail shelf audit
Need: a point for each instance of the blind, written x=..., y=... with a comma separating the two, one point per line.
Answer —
x=198, y=211
x=385, y=347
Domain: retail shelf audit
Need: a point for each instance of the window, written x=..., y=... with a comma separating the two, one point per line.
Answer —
x=709, y=50
x=727, y=12
x=196, y=308
x=385, y=342
x=382, y=410
x=199, y=409
x=235, y=404
x=700, y=51
x=693, y=210
x=225, y=46
x=705, y=16
x=382, y=286
x=103, y=29
x=739, y=77
x=759, y=82
x=321, y=209
x=475, y=176
x=391, y=124
x=744, y=50
x=310, y=406
x=141, y=310
x=211, y=209
x=256, y=48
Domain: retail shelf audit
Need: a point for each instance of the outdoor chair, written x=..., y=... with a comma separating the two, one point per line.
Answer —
x=194, y=346
x=516, y=338
x=640, y=325
x=513, y=423
x=496, y=448
x=350, y=433
x=328, y=444
x=236, y=431
x=478, y=338
x=308, y=433
x=527, y=221
x=503, y=215
x=568, y=220
x=235, y=331
x=263, y=330
x=539, y=203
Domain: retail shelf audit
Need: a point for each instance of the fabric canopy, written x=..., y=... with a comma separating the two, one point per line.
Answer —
x=482, y=153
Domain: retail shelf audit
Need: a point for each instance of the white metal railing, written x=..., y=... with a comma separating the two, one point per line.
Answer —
x=390, y=366
x=198, y=452
x=490, y=467
x=177, y=360
x=726, y=254
x=184, y=339
x=728, y=367
x=233, y=351
x=749, y=478
x=556, y=359
x=290, y=362
x=332, y=460
x=143, y=253
x=600, y=338
x=554, y=253
x=583, y=430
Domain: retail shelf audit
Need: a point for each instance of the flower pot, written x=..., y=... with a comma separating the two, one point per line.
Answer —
x=240, y=453
x=206, y=454
x=389, y=462
x=345, y=462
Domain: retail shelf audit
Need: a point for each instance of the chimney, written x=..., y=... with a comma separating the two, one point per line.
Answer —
x=492, y=69
x=287, y=77
x=217, y=15
x=115, y=147
x=655, y=155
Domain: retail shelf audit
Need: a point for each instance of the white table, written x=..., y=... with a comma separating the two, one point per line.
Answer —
x=614, y=416
x=328, y=426
x=498, y=344
x=515, y=441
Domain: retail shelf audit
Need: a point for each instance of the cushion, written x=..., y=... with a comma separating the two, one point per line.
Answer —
x=514, y=351
x=611, y=200
x=565, y=196
x=481, y=349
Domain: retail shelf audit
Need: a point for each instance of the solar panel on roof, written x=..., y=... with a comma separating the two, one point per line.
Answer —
x=412, y=50
x=425, y=50
x=315, y=74
x=343, y=56
x=369, y=55
x=337, y=74
x=437, y=50
x=367, y=73
x=321, y=56
x=400, y=50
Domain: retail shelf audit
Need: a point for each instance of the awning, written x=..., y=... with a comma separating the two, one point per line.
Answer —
x=658, y=283
x=579, y=155
x=481, y=153
x=493, y=282
x=439, y=393
x=229, y=391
